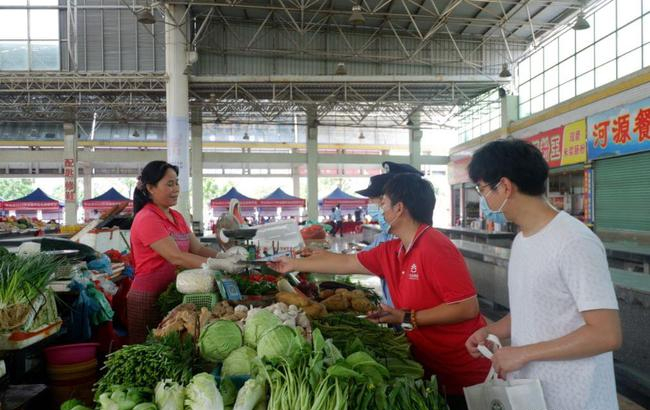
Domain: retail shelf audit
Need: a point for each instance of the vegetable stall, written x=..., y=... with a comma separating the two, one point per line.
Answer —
x=249, y=340
x=271, y=347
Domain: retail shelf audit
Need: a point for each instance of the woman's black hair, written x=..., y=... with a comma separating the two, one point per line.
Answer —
x=151, y=174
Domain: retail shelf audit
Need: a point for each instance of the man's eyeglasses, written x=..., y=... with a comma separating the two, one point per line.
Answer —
x=479, y=188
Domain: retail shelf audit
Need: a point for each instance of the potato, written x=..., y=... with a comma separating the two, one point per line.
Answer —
x=315, y=311
x=324, y=294
x=357, y=293
x=341, y=290
x=337, y=303
x=362, y=305
x=292, y=299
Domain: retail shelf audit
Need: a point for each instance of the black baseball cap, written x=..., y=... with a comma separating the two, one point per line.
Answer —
x=377, y=182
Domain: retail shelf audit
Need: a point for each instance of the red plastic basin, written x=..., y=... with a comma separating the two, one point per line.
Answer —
x=71, y=354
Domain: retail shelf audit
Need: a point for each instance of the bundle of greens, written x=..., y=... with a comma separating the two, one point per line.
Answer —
x=388, y=347
x=146, y=364
x=409, y=394
x=23, y=285
x=169, y=299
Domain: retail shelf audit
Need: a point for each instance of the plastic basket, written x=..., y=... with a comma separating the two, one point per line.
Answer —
x=200, y=300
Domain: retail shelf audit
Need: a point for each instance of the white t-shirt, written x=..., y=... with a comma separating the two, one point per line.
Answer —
x=552, y=277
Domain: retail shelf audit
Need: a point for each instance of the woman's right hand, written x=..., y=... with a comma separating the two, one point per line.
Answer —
x=477, y=338
x=283, y=264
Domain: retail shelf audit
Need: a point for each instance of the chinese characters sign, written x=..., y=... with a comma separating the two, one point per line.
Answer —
x=574, y=148
x=621, y=130
x=70, y=180
x=550, y=143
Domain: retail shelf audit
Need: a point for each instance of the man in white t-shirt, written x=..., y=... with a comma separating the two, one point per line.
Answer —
x=563, y=320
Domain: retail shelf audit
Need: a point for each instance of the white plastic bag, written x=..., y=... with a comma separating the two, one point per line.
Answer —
x=520, y=394
x=195, y=281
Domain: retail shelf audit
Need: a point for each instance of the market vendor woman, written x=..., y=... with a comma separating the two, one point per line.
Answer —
x=428, y=281
x=161, y=243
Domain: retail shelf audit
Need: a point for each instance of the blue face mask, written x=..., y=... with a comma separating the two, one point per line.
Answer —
x=377, y=214
x=495, y=216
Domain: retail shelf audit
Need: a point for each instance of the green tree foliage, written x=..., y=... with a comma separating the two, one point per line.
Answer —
x=14, y=188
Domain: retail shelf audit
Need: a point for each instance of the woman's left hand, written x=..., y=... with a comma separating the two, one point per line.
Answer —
x=388, y=315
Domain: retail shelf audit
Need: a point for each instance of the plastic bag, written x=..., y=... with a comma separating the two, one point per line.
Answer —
x=83, y=309
x=195, y=281
x=101, y=264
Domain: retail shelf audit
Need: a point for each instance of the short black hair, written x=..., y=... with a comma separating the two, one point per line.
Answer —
x=416, y=193
x=519, y=161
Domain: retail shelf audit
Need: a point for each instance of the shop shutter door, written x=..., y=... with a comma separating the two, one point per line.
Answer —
x=622, y=193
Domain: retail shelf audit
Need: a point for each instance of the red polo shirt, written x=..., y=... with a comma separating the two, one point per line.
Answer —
x=432, y=272
x=153, y=273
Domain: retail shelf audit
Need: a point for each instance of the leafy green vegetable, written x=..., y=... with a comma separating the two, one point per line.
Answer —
x=169, y=299
x=202, y=393
x=389, y=348
x=239, y=362
x=147, y=364
x=219, y=339
x=169, y=395
x=228, y=391
x=257, y=325
x=146, y=406
x=252, y=393
x=70, y=404
x=278, y=342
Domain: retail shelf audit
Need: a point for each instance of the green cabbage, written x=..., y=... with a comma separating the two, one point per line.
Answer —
x=252, y=393
x=169, y=395
x=277, y=343
x=145, y=406
x=261, y=322
x=219, y=339
x=228, y=392
x=202, y=393
x=239, y=362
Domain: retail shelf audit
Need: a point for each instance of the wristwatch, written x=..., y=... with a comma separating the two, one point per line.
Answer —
x=407, y=323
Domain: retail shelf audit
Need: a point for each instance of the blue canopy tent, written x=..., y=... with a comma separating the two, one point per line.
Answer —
x=221, y=204
x=349, y=203
x=38, y=200
x=290, y=205
x=95, y=206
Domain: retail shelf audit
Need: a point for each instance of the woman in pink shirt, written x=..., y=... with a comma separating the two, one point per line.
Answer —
x=161, y=242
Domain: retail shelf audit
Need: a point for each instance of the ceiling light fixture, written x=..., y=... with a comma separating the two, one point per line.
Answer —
x=340, y=69
x=356, y=18
x=246, y=137
x=361, y=136
x=145, y=16
x=136, y=134
x=581, y=22
x=505, y=72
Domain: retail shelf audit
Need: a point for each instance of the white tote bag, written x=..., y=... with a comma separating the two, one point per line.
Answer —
x=497, y=394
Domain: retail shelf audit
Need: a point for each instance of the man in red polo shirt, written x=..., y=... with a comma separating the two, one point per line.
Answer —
x=428, y=281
